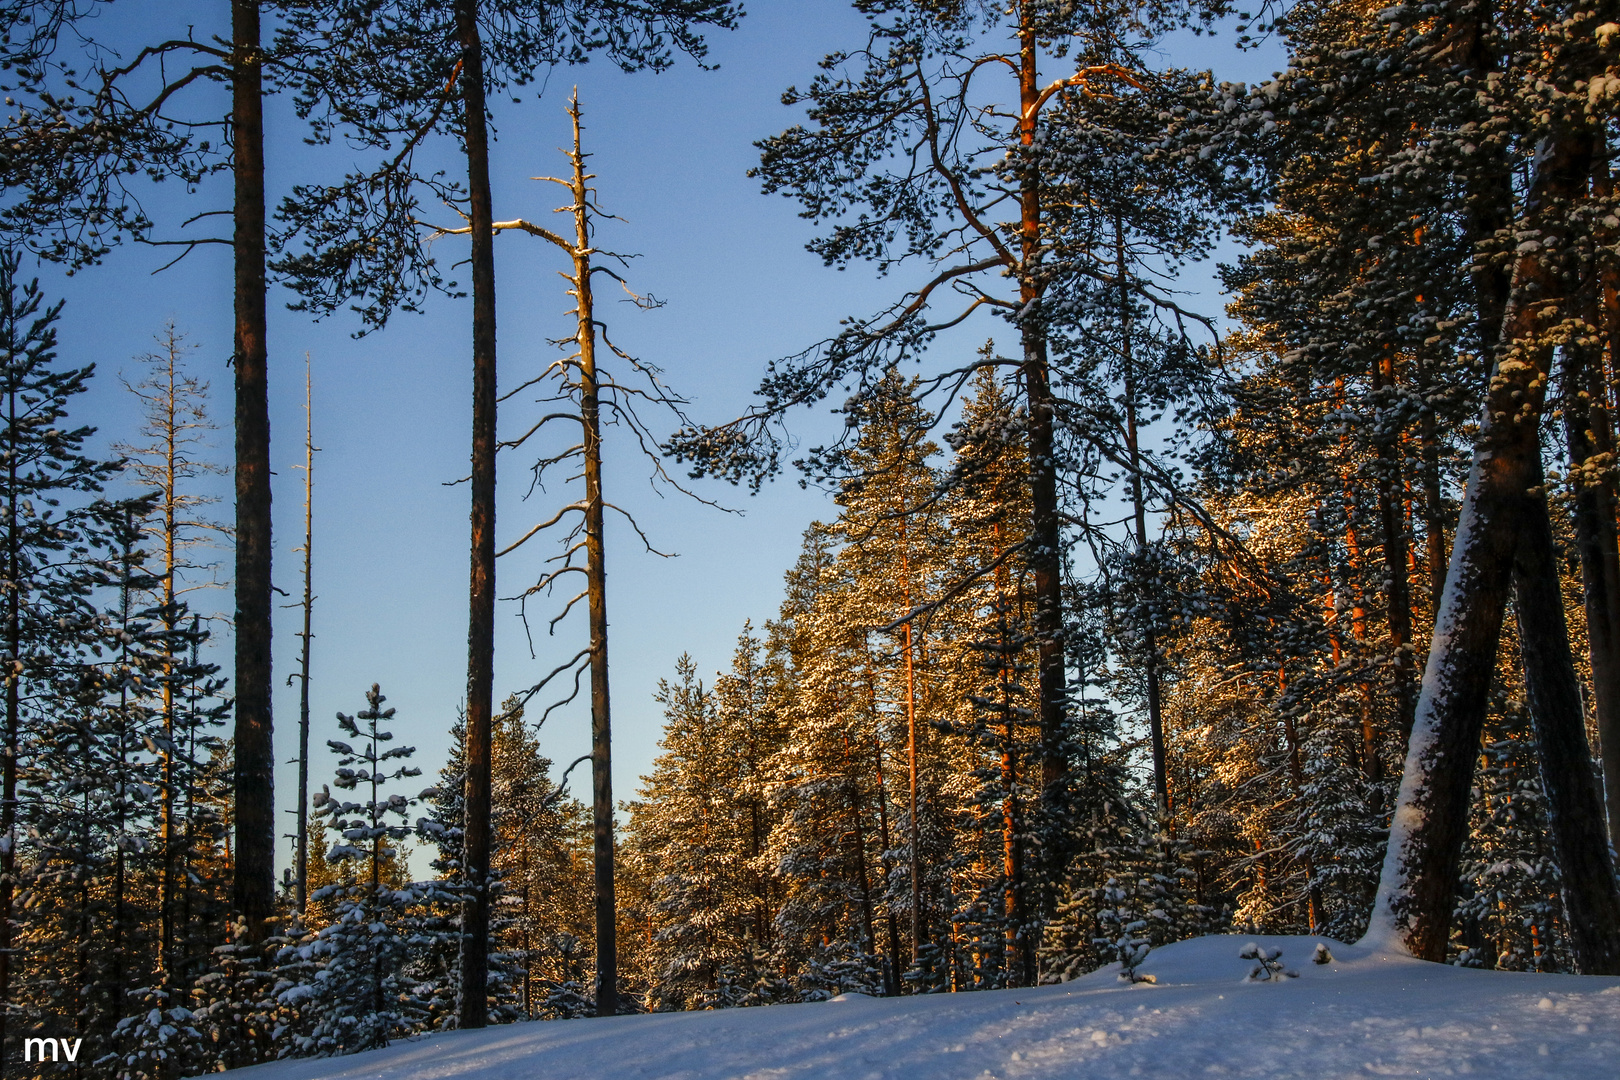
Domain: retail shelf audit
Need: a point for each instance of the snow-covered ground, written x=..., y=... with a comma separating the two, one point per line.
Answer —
x=1361, y=1015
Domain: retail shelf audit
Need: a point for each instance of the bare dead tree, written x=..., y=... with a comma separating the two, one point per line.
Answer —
x=581, y=390
x=301, y=836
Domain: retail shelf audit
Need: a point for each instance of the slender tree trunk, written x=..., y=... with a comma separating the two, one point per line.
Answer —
x=171, y=454
x=1574, y=809
x=1296, y=772
x=913, y=831
x=255, y=883
x=859, y=830
x=1595, y=509
x=1161, y=775
x=1020, y=958
x=1372, y=764
x=1434, y=519
x=891, y=973
x=1418, y=884
x=481, y=591
x=301, y=870
x=607, y=954
x=1395, y=570
x=121, y=785
x=8, y=767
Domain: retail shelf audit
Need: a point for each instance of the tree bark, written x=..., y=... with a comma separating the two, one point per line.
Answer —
x=481, y=591
x=1046, y=543
x=1591, y=460
x=1574, y=810
x=254, y=878
x=607, y=948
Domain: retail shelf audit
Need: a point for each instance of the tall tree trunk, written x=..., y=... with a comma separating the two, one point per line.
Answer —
x=1372, y=764
x=1417, y=887
x=8, y=766
x=1161, y=775
x=1574, y=810
x=481, y=591
x=1395, y=570
x=1434, y=521
x=255, y=753
x=913, y=830
x=1296, y=772
x=301, y=870
x=891, y=966
x=607, y=949
x=859, y=830
x=1595, y=507
x=1591, y=458
x=171, y=455
x=1046, y=544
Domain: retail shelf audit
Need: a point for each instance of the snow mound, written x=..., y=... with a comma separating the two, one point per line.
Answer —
x=1362, y=1014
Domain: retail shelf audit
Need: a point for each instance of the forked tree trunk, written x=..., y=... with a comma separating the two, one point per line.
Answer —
x=1417, y=887
x=481, y=591
x=254, y=877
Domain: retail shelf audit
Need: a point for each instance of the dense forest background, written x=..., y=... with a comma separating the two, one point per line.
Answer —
x=1124, y=623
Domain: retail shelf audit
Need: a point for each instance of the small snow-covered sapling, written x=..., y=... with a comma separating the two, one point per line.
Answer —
x=1321, y=955
x=1268, y=967
x=1132, y=951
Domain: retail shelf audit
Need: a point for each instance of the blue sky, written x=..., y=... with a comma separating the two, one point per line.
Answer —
x=392, y=409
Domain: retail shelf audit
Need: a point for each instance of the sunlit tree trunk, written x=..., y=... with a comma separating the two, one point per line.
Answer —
x=254, y=893
x=481, y=591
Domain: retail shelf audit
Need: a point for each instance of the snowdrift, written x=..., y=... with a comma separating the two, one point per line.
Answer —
x=1363, y=1014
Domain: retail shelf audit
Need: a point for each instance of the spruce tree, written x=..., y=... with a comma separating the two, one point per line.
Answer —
x=55, y=521
x=360, y=996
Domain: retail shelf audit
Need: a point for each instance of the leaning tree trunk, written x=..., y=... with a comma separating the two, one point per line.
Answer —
x=481, y=590
x=1417, y=887
x=1591, y=458
x=254, y=889
x=1592, y=436
x=1574, y=810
